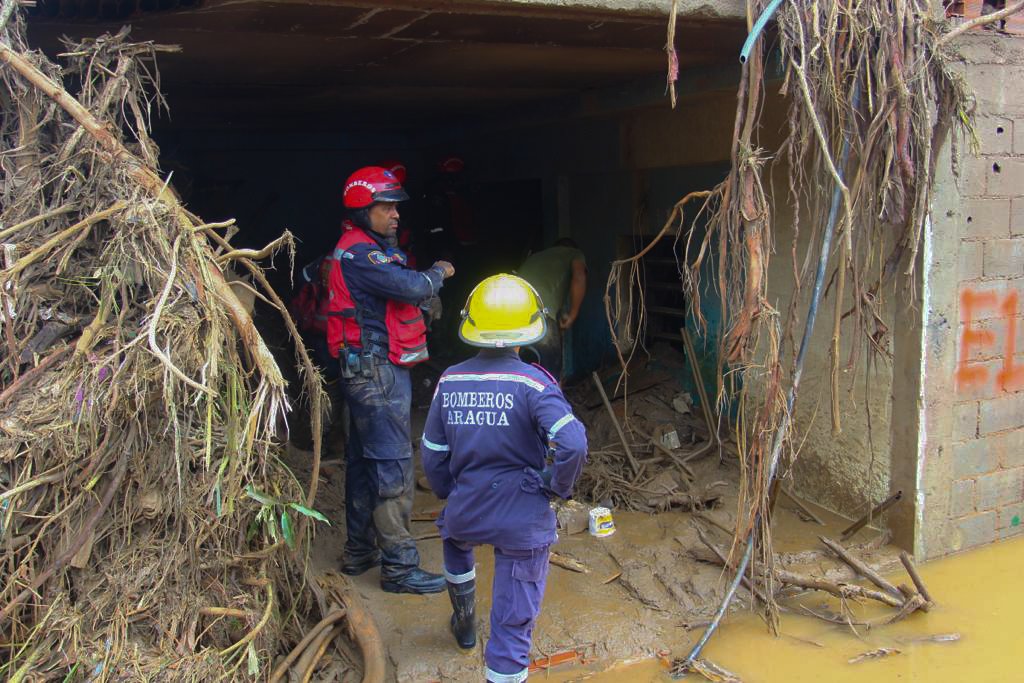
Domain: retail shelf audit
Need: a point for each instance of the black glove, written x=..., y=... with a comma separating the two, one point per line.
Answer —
x=545, y=475
x=545, y=486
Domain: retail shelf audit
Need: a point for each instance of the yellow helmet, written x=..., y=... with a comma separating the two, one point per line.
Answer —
x=503, y=310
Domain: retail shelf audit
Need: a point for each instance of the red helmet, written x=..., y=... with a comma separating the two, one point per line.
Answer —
x=396, y=167
x=372, y=184
x=451, y=164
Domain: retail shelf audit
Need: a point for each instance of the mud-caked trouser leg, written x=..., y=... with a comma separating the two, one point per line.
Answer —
x=379, y=406
x=460, y=574
x=393, y=483
x=519, y=580
x=361, y=543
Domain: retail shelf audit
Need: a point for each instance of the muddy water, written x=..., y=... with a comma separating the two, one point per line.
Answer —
x=978, y=598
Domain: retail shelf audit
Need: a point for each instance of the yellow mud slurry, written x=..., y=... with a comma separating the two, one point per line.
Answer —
x=980, y=598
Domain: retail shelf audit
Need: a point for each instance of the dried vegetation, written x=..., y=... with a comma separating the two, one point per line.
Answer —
x=147, y=527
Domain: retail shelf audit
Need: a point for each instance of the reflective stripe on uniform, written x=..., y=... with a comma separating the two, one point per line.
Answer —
x=439, y=447
x=413, y=356
x=561, y=423
x=498, y=376
x=460, y=578
x=495, y=677
x=433, y=291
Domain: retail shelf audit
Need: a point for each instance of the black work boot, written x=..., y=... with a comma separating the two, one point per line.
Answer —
x=463, y=625
x=417, y=582
x=354, y=566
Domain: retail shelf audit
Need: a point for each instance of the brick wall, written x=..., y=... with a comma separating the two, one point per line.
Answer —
x=986, y=496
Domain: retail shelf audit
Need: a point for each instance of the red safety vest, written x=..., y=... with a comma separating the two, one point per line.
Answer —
x=407, y=332
x=309, y=309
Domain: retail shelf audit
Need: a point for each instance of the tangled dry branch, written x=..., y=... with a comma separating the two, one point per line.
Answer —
x=871, y=97
x=144, y=514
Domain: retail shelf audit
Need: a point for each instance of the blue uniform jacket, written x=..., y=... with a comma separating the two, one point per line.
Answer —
x=484, y=450
x=375, y=272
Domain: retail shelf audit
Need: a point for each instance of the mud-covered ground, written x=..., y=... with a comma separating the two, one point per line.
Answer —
x=644, y=585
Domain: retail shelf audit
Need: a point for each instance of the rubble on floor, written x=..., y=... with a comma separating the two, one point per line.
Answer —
x=644, y=433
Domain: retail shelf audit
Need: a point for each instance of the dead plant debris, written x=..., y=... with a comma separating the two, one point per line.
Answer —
x=145, y=518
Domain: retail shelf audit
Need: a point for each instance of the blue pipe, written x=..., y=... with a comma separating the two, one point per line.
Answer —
x=755, y=32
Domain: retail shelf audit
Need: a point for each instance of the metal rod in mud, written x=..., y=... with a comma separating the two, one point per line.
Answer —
x=873, y=514
x=709, y=415
x=615, y=422
x=805, y=342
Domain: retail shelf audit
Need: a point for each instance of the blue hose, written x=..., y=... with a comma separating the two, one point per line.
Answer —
x=755, y=32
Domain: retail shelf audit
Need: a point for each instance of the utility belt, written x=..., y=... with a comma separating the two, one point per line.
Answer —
x=359, y=362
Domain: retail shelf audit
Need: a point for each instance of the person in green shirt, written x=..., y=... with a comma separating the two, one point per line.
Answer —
x=559, y=274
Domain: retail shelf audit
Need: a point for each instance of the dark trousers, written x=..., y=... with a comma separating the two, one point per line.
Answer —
x=520, y=577
x=379, y=469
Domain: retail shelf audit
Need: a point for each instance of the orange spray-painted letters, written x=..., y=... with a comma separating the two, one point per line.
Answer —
x=968, y=376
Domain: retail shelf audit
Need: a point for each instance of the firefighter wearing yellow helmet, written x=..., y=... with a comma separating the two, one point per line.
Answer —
x=499, y=442
x=503, y=311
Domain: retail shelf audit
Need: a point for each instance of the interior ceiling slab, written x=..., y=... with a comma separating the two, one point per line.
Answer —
x=321, y=65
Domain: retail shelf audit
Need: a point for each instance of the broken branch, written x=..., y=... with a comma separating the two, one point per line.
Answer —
x=840, y=590
x=223, y=612
x=754, y=590
x=251, y=635
x=76, y=542
x=861, y=567
x=6, y=232
x=615, y=422
x=311, y=635
x=568, y=563
x=284, y=240
x=980, y=21
x=908, y=564
x=364, y=631
x=62, y=236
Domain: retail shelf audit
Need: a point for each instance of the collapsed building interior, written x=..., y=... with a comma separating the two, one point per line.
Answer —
x=562, y=120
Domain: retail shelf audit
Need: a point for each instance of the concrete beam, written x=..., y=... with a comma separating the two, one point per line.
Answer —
x=643, y=93
x=705, y=9
x=639, y=94
x=712, y=10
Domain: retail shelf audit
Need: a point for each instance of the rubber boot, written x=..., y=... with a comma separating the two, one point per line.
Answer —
x=463, y=624
x=416, y=582
x=354, y=566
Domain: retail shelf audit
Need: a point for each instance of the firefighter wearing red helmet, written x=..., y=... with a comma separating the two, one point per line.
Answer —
x=375, y=328
x=404, y=238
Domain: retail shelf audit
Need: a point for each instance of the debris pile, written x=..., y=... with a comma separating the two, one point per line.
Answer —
x=643, y=432
x=873, y=94
x=145, y=519
x=770, y=582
